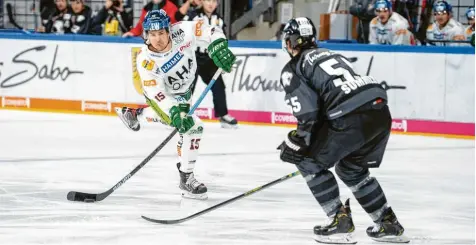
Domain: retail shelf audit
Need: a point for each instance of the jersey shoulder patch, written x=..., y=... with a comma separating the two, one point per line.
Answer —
x=469, y=30
x=430, y=28
x=288, y=80
x=374, y=21
x=146, y=65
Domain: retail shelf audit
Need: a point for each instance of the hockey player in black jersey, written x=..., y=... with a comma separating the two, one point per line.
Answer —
x=343, y=122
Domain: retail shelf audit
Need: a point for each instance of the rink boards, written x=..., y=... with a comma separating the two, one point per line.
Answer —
x=431, y=92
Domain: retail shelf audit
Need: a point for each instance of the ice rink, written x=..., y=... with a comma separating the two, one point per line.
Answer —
x=428, y=181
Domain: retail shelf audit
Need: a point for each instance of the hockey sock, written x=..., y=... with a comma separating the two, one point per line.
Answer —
x=323, y=186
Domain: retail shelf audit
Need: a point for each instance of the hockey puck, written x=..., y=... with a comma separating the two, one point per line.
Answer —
x=88, y=200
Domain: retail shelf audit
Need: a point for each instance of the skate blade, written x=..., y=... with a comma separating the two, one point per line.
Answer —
x=119, y=114
x=336, y=239
x=189, y=195
x=392, y=239
x=226, y=125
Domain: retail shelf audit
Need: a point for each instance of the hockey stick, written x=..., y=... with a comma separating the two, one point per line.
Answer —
x=11, y=18
x=224, y=203
x=89, y=197
x=432, y=42
x=370, y=65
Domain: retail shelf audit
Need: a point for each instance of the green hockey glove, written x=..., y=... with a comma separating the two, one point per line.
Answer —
x=221, y=55
x=179, y=118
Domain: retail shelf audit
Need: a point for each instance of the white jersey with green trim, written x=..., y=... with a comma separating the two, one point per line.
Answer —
x=167, y=77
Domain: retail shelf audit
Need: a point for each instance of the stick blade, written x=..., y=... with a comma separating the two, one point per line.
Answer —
x=75, y=196
x=159, y=221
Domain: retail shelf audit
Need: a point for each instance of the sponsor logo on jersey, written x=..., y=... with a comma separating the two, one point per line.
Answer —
x=185, y=46
x=439, y=36
x=172, y=62
x=198, y=28
x=313, y=56
x=148, y=64
x=180, y=99
x=178, y=36
x=384, y=31
x=149, y=83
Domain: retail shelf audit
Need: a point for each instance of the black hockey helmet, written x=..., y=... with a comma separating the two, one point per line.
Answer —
x=300, y=32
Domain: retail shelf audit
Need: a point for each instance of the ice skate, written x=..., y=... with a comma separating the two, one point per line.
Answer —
x=228, y=121
x=388, y=229
x=191, y=188
x=339, y=230
x=129, y=117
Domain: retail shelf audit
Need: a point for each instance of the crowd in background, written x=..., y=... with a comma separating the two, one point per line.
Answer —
x=115, y=18
x=390, y=22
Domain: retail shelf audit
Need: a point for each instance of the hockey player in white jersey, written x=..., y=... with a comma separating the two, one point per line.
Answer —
x=469, y=31
x=167, y=65
x=444, y=27
x=389, y=27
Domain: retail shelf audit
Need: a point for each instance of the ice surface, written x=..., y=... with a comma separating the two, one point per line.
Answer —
x=428, y=181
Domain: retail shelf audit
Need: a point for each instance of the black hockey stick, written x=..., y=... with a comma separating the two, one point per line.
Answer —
x=370, y=65
x=89, y=197
x=10, y=16
x=224, y=203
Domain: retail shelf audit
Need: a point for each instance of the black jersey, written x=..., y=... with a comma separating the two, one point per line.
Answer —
x=322, y=85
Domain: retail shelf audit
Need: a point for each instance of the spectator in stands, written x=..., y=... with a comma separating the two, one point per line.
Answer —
x=364, y=11
x=169, y=7
x=389, y=27
x=114, y=19
x=81, y=18
x=57, y=20
x=469, y=32
x=187, y=8
x=445, y=28
x=205, y=66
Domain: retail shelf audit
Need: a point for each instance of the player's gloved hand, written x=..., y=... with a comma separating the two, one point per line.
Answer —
x=221, y=55
x=292, y=148
x=180, y=120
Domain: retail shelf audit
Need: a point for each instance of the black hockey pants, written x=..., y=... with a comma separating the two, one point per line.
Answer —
x=352, y=143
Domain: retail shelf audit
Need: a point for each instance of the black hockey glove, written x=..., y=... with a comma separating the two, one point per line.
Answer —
x=292, y=148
